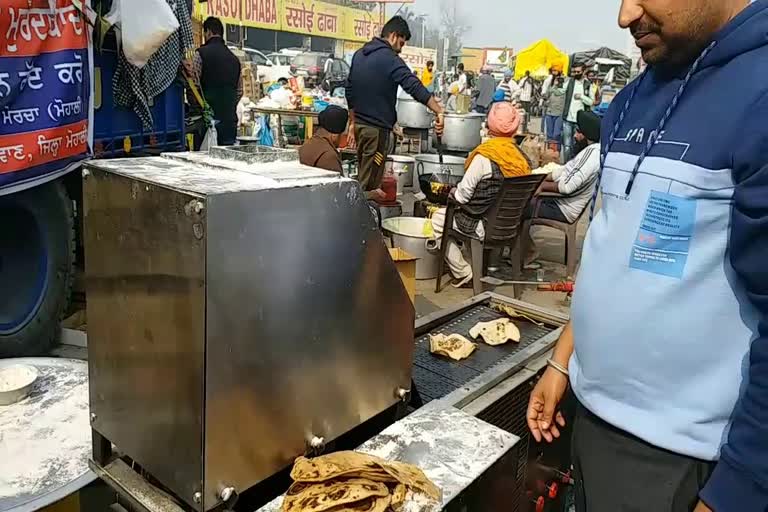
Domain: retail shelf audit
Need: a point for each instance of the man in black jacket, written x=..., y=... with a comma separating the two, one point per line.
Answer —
x=376, y=71
x=217, y=70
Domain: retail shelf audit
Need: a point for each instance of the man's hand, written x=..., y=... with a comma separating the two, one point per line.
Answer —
x=398, y=131
x=351, y=136
x=702, y=507
x=377, y=195
x=542, y=404
x=188, y=67
x=439, y=125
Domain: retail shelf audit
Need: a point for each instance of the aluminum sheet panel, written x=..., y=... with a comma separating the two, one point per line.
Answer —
x=145, y=275
x=310, y=330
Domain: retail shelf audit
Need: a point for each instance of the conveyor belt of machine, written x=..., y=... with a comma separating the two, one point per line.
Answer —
x=437, y=376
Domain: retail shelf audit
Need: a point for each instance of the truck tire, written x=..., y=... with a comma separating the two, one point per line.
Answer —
x=37, y=267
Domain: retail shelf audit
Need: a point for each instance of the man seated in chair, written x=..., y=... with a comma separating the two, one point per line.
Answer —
x=574, y=182
x=485, y=169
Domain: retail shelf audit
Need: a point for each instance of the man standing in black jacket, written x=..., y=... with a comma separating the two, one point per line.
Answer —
x=217, y=70
x=376, y=71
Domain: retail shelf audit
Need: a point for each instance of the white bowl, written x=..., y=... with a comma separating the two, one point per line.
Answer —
x=16, y=381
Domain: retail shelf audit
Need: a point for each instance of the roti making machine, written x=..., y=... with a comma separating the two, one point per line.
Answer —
x=244, y=310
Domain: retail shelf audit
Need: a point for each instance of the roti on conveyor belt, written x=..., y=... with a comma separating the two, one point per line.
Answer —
x=496, y=332
x=513, y=313
x=331, y=494
x=455, y=346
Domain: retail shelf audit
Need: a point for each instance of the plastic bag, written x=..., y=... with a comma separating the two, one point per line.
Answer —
x=265, y=133
x=211, y=138
x=144, y=28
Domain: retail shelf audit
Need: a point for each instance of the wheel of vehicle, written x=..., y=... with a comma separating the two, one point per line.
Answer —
x=37, y=257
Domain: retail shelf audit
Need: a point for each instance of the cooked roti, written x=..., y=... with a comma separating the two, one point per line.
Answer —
x=353, y=482
x=332, y=494
x=413, y=477
x=455, y=346
x=496, y=332
x=346, y=463
x=369, y=505
x=398, y=496
x=512, y=312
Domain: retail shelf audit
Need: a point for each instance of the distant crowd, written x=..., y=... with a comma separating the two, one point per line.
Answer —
x=557, y=99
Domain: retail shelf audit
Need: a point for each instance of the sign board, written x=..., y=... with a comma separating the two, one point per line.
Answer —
x=416, y=57
x=498, y=57
x=313, y=18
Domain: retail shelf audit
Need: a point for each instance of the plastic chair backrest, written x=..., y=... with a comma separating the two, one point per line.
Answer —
x=505, y=217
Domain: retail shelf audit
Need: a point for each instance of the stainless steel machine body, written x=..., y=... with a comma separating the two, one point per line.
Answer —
x=235, y=316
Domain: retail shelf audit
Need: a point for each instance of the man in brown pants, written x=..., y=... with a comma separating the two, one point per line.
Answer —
x=376, y=71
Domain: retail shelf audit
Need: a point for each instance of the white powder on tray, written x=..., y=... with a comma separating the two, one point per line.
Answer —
x=15, y=377
x=45, y=438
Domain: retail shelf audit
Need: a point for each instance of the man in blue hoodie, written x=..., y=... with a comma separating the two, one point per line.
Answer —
x=376, y=71
x=667, y=348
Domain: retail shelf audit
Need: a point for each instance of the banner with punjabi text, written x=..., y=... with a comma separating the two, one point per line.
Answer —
x=44, y=89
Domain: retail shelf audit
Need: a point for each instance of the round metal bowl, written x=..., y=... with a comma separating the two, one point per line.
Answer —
x=16, y=381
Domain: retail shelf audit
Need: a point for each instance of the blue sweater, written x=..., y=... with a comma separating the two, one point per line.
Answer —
x=670, y=314
x=375, y=73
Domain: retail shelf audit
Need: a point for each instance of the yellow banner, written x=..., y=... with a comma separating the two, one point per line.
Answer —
x=312, y=18
x=249, y=13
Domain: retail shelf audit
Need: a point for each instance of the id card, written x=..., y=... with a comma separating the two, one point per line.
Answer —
x=664, y=237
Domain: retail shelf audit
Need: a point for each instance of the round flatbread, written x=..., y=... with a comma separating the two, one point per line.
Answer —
x=369, y=505
x=398, y=496
x=412, y=477
x=455, y=346
x=345, y=463
x=496, y=332
x=332, y=494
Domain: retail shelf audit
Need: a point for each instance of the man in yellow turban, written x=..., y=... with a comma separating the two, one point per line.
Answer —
x=485, y=169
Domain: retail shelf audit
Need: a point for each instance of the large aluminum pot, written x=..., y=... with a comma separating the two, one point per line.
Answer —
x=414, y=236
x=427, y=163
x=462, y=131
x=412, y=114
x=402, y=167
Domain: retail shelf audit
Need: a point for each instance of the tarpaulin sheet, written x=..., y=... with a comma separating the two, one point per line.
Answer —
x=538, y=59
x=45, y=89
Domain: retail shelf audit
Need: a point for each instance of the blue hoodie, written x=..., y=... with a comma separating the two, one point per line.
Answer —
x=670, y=314
x=372, y=85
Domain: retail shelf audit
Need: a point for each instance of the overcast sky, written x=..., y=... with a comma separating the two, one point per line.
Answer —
x=571, y=25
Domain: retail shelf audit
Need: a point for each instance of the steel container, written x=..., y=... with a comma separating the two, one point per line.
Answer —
x=402, y=167
x=428, y=163
x=462, y=131
x=414, y=235
x=224, y=335
x=412, y=114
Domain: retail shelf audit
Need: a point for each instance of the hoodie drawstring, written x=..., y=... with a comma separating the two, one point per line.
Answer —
x=655, y=134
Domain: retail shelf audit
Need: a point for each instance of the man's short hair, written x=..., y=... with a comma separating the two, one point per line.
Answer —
x=460, y=67
x=398, y=26
x=213, y=25
x=430, y=63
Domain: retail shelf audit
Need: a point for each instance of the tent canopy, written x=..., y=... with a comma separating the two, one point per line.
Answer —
x=538, y=59
x=606, y=57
